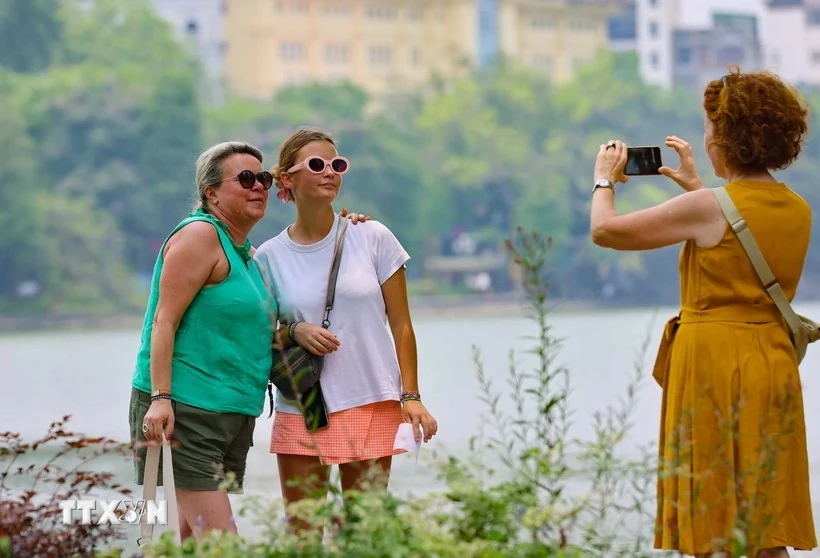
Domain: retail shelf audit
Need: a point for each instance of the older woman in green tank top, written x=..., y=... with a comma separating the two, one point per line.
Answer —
x=205, y=355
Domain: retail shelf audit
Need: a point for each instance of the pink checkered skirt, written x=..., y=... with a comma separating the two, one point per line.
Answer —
x=357, y=434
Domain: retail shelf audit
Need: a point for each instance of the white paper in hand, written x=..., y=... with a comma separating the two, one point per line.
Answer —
x=406, y=441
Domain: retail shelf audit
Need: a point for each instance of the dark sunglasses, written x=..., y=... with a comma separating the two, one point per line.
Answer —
x=339, y=165
x=247, y=179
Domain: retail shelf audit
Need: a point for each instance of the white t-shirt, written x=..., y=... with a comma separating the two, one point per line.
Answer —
x=364, y=369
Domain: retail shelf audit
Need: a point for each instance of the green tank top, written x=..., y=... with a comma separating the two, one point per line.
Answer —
x=222, y=348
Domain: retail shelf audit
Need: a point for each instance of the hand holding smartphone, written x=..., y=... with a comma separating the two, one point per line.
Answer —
x=643, y=161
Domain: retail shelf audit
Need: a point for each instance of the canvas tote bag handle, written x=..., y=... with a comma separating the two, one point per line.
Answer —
x=149, y=488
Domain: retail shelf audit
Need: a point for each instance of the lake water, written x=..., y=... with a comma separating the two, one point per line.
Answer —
x=87, y=374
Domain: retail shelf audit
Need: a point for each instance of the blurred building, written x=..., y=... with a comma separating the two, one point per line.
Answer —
x=793, y=39
x=675, y=52
x=622, y=26
x=647, y=27
x=198, y=23
x=656, y=22
x=393, y=45
x=553, y=36
x=489, y=43
x=701, y=55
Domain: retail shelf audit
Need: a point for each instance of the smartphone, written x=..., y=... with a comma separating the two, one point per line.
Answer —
x=641, y=161
x=314, y=409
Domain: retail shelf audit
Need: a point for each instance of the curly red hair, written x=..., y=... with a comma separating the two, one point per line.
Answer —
x=758, y=120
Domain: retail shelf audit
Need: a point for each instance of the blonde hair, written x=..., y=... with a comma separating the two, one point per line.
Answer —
x=293, y=145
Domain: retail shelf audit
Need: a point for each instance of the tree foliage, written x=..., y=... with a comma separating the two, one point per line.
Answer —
x=116, y=127
x=30, y=32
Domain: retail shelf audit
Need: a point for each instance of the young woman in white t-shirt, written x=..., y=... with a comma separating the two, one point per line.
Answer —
x=369, y=380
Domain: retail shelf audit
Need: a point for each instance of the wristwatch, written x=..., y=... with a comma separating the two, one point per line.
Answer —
x=603, y=183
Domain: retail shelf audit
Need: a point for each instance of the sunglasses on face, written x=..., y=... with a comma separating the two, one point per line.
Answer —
x=317, y=165
x=247, y=179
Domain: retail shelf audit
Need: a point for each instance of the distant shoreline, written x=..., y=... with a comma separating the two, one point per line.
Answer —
x=426, y=307
x=422, y=306
x=480, y=306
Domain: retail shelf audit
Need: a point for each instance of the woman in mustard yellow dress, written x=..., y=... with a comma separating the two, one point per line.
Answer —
x=733, y=472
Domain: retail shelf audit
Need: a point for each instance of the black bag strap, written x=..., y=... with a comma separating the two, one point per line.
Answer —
x=334, y=270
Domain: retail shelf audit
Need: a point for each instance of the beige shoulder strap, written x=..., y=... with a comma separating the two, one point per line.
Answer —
x=762, y=268
x=149, y=488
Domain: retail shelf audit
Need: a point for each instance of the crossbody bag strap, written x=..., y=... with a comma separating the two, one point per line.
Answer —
x=334, y=271
x=764, y=272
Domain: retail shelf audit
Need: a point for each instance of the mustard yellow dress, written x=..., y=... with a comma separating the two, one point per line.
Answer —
x=732, y=435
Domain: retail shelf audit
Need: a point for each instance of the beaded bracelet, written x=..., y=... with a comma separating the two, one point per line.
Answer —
x=161, y=396
x=410, y=396
x=292, y=331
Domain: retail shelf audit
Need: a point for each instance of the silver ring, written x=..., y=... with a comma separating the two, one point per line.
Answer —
x=610, y=144
x=144, y=427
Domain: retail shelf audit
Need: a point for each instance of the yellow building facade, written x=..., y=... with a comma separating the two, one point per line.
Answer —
x=395, y=45
x=555, y=37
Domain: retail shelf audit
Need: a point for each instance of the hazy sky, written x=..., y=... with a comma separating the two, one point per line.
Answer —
x=696, y=12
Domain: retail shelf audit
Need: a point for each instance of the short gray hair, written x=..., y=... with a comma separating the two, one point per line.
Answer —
x=209, y=169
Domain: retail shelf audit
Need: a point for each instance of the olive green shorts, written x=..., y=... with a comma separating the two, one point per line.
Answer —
x=205, y=445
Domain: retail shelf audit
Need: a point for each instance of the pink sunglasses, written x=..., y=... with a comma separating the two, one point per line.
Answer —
x=317, y=165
